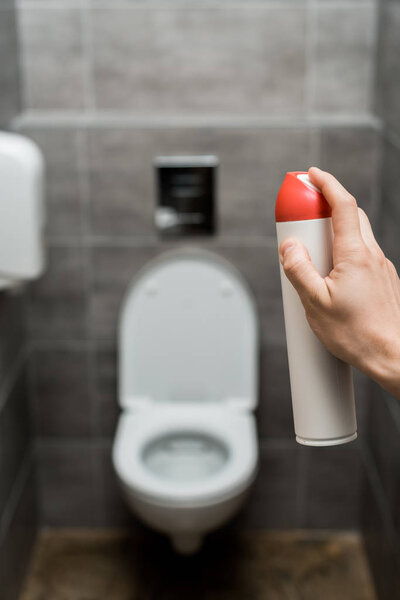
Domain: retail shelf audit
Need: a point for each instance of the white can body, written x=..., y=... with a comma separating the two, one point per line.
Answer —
x=321, y=384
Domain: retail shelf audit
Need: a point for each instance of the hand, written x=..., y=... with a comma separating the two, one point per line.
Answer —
x=355, y=310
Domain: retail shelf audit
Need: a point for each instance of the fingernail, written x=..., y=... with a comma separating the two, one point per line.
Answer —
x=285, y=248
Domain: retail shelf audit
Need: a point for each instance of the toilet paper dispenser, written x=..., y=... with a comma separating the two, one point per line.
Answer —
x=22, y=215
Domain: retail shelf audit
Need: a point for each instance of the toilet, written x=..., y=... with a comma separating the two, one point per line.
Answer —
x=185, y=451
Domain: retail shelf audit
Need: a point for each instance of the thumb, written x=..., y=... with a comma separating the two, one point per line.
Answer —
x=301, y=272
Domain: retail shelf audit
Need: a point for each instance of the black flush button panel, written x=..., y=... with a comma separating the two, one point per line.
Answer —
x=186, y=190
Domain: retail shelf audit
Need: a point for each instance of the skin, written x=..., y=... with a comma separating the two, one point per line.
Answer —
x=355, y=310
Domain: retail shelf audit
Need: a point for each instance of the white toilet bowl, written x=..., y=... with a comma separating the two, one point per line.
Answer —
x=185, y=451
x=185, y=470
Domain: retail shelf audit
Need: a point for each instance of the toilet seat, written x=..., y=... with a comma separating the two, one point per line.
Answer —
x=235, y=430
x=188, y=333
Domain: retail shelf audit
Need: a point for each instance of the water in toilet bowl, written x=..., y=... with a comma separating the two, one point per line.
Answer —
x=185, y=456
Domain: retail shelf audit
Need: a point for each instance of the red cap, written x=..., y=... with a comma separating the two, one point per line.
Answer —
x=297, y=201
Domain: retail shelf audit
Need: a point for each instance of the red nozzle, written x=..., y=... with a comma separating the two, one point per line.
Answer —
x=297, y=201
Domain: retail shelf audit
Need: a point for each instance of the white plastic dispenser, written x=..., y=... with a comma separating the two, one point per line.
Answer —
x=321, y=384
x=22, y=217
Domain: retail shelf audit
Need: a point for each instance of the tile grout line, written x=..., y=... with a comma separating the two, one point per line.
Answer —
x=84, y=190
x=157, y=120
x=12, y=374
x=374, y=66
x=377, y=196
x=16, y=492
x=22, y=65
x=301, y=500
x=311, y=39
x=267, y=241
x=87, y=48
x=181, y=5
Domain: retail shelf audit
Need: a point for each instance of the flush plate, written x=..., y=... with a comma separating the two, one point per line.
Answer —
x=186, y=194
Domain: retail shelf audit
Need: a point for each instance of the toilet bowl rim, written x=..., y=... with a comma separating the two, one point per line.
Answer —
x=136, y=429
x=193, y=503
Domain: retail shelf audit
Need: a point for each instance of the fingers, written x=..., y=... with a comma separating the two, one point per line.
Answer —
x=301, y=272
x=345, y=219
x=366, y=230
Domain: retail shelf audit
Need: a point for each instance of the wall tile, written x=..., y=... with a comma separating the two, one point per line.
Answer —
x=104, y=358
x=60, y=396
x=9, y=76
x=343, y=59
x=275, y=415
x=273, y=501
x=390, y=211
x=254, y=163
x=351, y=155
x=332, y=487
x=113, y=269
x=381, y=548
x=200, y=59
x=14, y=437
x=115, y=511
x=12, y=330
x=385, y=448
x=363, y=392
x=69, y=485
x=63, y=201
x=57, y=302
x=389, y=65
x=51, y=47
x=17, y=544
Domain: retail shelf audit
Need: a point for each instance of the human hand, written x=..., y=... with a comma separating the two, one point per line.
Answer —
x=355, y=310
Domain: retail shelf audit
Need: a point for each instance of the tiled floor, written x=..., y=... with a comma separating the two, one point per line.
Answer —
x=110, y=565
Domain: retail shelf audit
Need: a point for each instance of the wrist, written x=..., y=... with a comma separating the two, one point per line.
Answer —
x=384, y=366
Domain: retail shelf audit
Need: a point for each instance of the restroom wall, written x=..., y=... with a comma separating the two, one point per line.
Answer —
x=9, y=67
x=268, y=87
x=381, y=513
x=17, y=484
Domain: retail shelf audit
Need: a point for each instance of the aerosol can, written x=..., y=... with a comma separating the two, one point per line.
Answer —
x=321, y=384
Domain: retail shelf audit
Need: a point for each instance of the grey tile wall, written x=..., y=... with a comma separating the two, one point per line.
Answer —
x=17, y=481
x=9, y=75
x=385, y=448
x=391, y=209
x=332, y=482
x=133, y=57
x=12, y=330
x=200, y=60
x=381, y=497
x=380, y=544
x=69, y=484
x=52, y=58
x=17, y=540
x=345, y=39
x=57, y=303
x=14, y=438
x=388, y=98
x=61, y=401
x=274, y=500
x=64, y=209
x=104, y=373
x=352, y=155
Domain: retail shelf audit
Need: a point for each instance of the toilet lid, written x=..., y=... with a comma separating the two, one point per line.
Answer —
x=188, y=333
